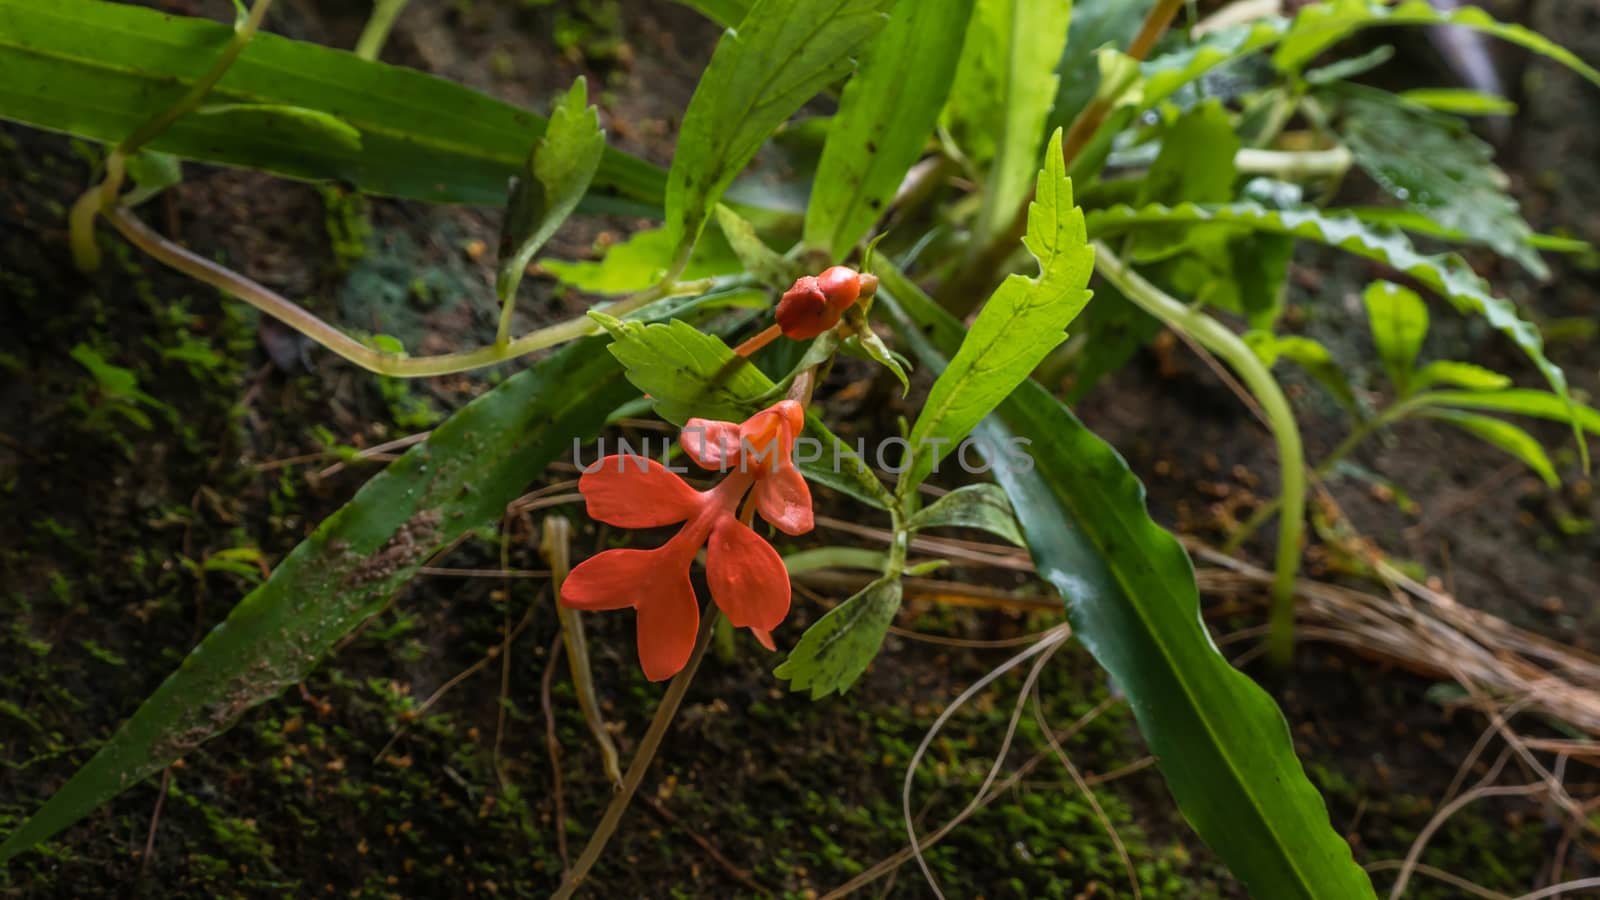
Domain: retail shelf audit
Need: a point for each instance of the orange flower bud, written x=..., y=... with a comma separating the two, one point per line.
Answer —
x=816, y=302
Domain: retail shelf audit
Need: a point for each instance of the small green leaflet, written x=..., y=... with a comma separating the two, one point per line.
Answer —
x=886, y=112
x=151, y=172
x=767, y=265
x=982, y=506
x=1308, y=355
x=641, y=262
x=782, y=54
x=1504, y=435
x=1460, y=101
x=556, y=177
x=1399, y=321
x=1023, y=321
x=1449, y=276
x=1459, y=374
x=834, y=652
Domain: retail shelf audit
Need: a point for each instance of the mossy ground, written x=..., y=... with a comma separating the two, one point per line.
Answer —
x=141, y=511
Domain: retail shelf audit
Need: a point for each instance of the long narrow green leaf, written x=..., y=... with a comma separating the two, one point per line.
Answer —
x=99, y=70
x=460, y=478
x=782, y=54
x=1023, y=321
x=886, y=113
x=1219, y=740
x=1449, y=276
x=1321, y=25
x=1504, y=435
x=1522, y=402
x=1032, y=35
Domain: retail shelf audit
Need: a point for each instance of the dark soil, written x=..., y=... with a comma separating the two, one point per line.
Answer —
x=136, y=523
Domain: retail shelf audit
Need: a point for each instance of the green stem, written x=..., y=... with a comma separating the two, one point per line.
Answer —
x=1218, y=339
x=376, y=32
x=1351, y=441
x=1289, y=165
x=642, y=758
x=392, y=364
x=102, y=196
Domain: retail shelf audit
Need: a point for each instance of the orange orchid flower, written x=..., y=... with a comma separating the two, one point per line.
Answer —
x=747, y=578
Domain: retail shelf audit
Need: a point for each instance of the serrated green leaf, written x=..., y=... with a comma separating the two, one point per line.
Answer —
x=1504, y=435
x=1218, y=739
x=291, y=123
x=557, y=175
x=1460, y=101
x=100, y=70
x=767, y=265
x=981, y=506
x=1459, y=374
x=1022, y=322
x=685, y=372
x=1308, y=355
x=1321, y=25
x=1399, y=322
x=1448, y=276
x=834, y=652
x=781, y=55
x=886, y=113
x=1436, y=166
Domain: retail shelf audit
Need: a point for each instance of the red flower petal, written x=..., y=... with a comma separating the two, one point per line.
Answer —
x=618, y=579
x=783, y=498
x=635, y=492
x=711, y=444
x=747, y=578
x=666, y=625
x=764, y=637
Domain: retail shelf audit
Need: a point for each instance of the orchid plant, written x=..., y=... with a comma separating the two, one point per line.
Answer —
x=1000, y=153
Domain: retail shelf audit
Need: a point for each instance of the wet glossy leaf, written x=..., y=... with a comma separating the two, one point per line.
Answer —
x=1130, y=595
x=1023, y=321
x=886, y=114
x=1437, y=167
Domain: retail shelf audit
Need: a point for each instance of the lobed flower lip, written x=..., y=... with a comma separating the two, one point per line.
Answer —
x=747, y=578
